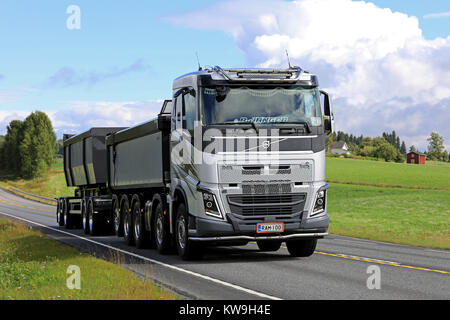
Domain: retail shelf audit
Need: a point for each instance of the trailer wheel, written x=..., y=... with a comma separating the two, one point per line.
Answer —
x=187, y=249
x=127, y=223
x=85, y=217
x=68, y=218
x=60, y=213
x=301, y=248
x=161, y=227
x=93, y=219
x=117, y=216
x=141, y=235
x=269, y=246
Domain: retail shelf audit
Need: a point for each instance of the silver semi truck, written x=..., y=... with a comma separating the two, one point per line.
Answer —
x=237, y=155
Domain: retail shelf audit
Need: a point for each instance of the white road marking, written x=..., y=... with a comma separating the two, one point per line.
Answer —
x=198, y=275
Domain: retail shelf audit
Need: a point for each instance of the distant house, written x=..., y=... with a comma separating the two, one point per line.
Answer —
x=339, y=147
x=415, y=158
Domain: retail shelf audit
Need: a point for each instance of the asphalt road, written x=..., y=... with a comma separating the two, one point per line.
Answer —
x=338, y=269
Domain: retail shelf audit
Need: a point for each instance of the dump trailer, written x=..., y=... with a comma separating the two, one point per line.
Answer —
x=236, y=155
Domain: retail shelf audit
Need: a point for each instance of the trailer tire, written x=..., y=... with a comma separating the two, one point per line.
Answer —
x=269, y=245
x=60, y=213
x=187, y=249
x=93, y=219
x=161, y=228
x=85, y=217
x=68, y=218
x=128, y=228
x=301, y=248
x=141, y=235
x=117, y=217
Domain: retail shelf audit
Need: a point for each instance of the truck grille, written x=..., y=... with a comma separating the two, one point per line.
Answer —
x=255, y=205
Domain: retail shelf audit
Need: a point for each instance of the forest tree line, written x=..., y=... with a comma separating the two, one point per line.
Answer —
x=389, y=146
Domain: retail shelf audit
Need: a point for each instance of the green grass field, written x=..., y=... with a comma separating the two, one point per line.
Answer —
x=33, y=267
x=51, y=185
x=414, y=217
x=419, y=217
x=433, y=175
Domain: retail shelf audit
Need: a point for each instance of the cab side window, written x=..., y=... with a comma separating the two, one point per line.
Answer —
x=190, y=112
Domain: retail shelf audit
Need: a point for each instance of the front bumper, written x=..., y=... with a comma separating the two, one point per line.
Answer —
x=213, y=230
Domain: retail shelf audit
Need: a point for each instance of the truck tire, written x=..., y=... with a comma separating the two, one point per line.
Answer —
x=94, y=226
x=60, y=213
x=187, y=250
x=128, y=228
x=301, y=248
x=161, y=227
x=269, y=245
x=68, y=218
x=117, y=217
x=141, y=236
x=85, y=217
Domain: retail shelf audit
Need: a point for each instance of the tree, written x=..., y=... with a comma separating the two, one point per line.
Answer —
x=10, y=155
x=435, y=146
x=412, y=149
x=403, y=148
x=38, y=146
x=330, y=141
x=445, y=156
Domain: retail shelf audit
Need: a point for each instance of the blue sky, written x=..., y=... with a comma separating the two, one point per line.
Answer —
x=128, y=52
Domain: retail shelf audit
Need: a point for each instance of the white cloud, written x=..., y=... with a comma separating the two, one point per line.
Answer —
x=7, y=116
x=382, y=72
x=79, y=116
x=437, y=15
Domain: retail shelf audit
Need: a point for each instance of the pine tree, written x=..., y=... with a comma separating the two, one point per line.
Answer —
x=403, y=148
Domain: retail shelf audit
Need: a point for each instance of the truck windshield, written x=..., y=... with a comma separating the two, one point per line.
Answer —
x=276, y=105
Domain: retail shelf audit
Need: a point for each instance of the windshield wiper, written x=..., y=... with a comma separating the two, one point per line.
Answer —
x=238, y=123
x=304, y=123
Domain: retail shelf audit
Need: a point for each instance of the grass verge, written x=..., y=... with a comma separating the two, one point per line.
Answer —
x=34, y=267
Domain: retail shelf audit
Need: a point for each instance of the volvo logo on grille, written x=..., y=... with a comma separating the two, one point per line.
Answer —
x=266, y=144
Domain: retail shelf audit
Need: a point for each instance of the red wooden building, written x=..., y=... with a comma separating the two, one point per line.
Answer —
x=415, y=158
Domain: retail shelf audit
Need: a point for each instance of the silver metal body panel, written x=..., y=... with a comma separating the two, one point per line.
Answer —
x=138, y=162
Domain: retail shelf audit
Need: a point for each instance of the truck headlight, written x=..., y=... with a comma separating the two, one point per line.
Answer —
x=319, y=205
x=211, y=207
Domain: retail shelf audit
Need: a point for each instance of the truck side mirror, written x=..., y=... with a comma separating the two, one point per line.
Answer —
x=328, y=113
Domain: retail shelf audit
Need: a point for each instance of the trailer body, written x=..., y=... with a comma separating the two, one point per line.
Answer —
x=136, y=157
x=85, y=158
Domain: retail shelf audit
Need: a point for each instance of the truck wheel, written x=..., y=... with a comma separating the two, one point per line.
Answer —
x=269, y=245
x=187, y=249
x=141, y=235
x=85, y=218
x=301, y=248
x=118, y=219
x=67, y=216
x=127, y=224
x=161, y=227
x=93, y=219
x=60, y=213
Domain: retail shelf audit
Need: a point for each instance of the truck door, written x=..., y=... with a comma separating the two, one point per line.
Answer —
x=183, y=121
